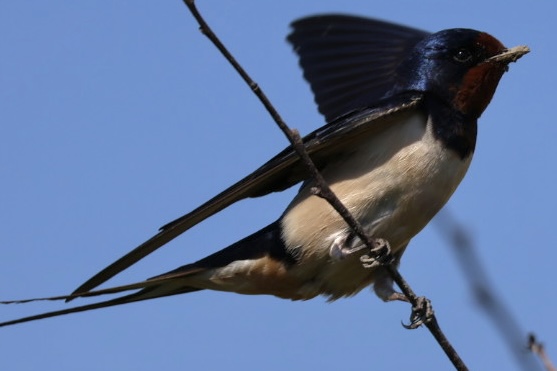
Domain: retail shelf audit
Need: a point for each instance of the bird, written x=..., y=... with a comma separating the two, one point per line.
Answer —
x=401, y=107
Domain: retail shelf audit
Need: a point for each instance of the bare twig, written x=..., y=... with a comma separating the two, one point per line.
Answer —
x=538, y=349
x=482, y=289
x=322, y=189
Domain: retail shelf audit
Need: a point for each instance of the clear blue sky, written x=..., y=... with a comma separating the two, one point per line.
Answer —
x=117, y=117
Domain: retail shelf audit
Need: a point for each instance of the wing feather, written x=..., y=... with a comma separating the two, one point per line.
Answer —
x=281, y=172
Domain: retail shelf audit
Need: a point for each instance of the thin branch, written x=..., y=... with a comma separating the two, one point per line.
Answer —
x=322, y=189
x=482, y=289
x=538, y=349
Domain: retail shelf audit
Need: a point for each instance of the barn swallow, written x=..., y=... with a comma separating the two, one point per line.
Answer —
x=401, y=107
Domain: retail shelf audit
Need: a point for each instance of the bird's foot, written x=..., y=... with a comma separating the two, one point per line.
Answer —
x=342, y=247
x=383, y=287
x=380, y=255
x=422, y=313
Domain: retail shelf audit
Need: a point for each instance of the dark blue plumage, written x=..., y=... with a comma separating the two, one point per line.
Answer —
x=402, y=107
x=350, y=62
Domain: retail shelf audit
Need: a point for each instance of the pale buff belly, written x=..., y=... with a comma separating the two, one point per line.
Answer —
x=394, y=185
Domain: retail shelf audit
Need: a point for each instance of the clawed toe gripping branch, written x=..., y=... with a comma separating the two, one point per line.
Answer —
x=379, y=250
x=422, y=313
x=380, y=255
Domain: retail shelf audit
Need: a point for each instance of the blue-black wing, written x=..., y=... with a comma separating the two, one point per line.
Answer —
x=281, y=172
x=350, y=61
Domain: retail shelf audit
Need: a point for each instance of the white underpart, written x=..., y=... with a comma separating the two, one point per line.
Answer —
x=393, y=184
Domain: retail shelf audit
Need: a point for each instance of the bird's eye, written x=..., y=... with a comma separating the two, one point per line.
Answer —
x=462, y=56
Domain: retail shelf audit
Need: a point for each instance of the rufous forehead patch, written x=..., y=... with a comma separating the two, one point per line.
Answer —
x=490, y=44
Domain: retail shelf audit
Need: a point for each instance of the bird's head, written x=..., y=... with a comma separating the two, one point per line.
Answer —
x=461, y=67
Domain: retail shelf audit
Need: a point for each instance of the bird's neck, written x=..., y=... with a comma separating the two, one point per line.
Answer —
x=454, y=129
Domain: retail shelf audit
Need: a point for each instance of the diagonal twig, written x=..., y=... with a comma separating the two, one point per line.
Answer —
x=539, y=350
x=321, y=188
x=483, y=291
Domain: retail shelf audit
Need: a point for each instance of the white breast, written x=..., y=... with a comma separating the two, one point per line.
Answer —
x=394, y=183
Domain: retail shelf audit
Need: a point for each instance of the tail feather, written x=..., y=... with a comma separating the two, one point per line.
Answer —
x=156, y=287
x=265, y=244
x=137, y=296
x=111, y=290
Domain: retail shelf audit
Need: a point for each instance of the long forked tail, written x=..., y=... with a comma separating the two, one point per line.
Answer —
x=150, y=290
